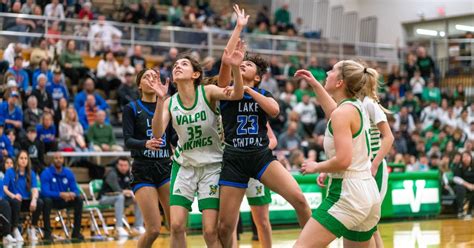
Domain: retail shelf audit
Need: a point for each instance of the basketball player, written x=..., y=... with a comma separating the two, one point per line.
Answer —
x=197, y=160
x=352, y=206
x=151, y=166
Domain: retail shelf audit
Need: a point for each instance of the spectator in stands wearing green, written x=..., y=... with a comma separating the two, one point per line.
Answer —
x=101, y=135
x=412, y=103
x=282, y=17
x=303, y=90
x=72, y=63
x=175, y=13
x=431, y=93
x=318, y=72
x=116, y=190
x=425, y=64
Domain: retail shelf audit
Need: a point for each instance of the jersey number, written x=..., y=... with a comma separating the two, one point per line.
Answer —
x=194, y=132
x=243, y=120
x=149, y=133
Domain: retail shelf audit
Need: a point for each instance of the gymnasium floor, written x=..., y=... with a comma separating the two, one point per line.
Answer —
x=428, y=233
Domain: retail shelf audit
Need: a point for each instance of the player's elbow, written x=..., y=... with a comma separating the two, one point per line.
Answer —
x=274, y=111
x=343, y=162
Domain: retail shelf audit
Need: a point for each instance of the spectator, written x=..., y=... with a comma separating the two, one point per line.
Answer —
x=406, y=119
x=137, y=58
x=410, y=66
x=5, y=210
x=35, y=149
x=116, y=46
x=21, y=76
x=101, y=135
x=421, y=165
x=18, y=24
x=32, y=114
x=6, y=148
x=71, y=61
x=55, y=32
x=27, y=7
x=464, y=184
x=116, y=190
x=417, y=84
x=39, y=54
x=15, y=143
x=103, y=31
x=89, y=89
x=449, y=118
x=125, y=68
x=307, y=112
x=46, y=131
x=287, y=96
x=54, y=9
x=304, y=89
x=57, y=89
x=71, y=134
x=175, y=13
x=11, y=52
x=128, y=91
x=59, y=190
x=107, y=72
x=282, y=17
x=412, y=103
x=42, y=69
x=425, y=64
x=470, y=134
x=45, y=99
x=318, y=72
x=470, y=110
x=21, y=187
x=430, y=113
x=394, y=75
x=40, y=22
x=87, y=113
x=458, y=107
x=263, y=16
x=60, y=113
x=10, y=113
x=290, y=140
x=269, y=84
x=86, y=11
x=464, y=122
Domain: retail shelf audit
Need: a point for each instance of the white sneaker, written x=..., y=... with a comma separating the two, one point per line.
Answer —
x=17, y=235
x=139, y=230
x=468, y=217
x=32, y=234
x=121, y=232
x=8, y=239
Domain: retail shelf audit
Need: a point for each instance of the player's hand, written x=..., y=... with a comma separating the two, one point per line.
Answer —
x=309, y=167
x=242, y=19
x=246, y=89
x=154, y=82
x=307, y=76
x=228, y=91
x=64, y=196
x=153, y=144
x=237, y=56
x=321, y=178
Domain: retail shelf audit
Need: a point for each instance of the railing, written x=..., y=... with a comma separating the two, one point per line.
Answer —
x=209, y=42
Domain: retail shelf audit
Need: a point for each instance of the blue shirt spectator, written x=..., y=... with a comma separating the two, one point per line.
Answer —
x=46, y=134
x=17, y=183
x=54, y=181
x=81, y=97
x=2, y=194
x=48, y=73
x=21, y=76
x=10, y=114
x=6, y=148
x=57, y=88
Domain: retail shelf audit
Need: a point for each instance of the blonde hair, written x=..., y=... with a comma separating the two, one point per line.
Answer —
x=360, y=80
x=75, y=119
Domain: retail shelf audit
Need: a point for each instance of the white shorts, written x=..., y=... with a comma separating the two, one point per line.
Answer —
x=351, y=208
x=257, y=194
x=188, y=181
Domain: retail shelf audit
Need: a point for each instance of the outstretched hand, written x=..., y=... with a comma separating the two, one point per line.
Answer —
x=307, y=76
x=309, y=167
x=242, y=19
x=154, y=82
x=237, y=56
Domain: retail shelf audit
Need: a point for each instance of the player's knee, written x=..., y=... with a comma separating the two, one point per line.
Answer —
x=153, y=231
x=177, y=228
x=210, y=234
x=225, y=229
x=263, y=223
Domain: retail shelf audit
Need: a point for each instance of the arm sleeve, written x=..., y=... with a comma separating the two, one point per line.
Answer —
x=46, y=187
x=129, y=128
x=101, y=102
x=376, y=114
x=112, y=181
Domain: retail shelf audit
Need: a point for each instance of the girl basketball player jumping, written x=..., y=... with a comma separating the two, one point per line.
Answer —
x=151, y=166
x=197, y=160
x=352, y=206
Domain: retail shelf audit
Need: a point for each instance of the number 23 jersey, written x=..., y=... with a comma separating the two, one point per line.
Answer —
x=245, y=123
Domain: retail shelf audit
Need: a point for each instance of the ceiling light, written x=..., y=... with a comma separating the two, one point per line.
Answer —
x=427, y=32
x=464, y=27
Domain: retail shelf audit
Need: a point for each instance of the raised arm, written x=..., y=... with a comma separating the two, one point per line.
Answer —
x=162, y=116
x=327, y=103
x=225, y=70
x=268, y=104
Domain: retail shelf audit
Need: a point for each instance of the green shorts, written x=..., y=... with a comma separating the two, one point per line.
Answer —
x=188, y=181
x=257, y=194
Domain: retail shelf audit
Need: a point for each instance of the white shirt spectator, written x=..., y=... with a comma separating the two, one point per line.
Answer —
x=292, y=98
x=52, y=10
x=417, y=85
x=464, y=124
x=307, y=112
x=429, y=114
x=104, y=31
x=470, y=133
x=470, y=111
x=449, y=119
x=122, y=70
x=106, y=67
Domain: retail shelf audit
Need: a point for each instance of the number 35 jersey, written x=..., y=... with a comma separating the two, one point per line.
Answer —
x=245, y=123
x=199, y=141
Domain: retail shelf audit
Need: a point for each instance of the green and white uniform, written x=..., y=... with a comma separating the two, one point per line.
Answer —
x=352, y=206
x=257, y=194
x=376, y=116
x=197, y=161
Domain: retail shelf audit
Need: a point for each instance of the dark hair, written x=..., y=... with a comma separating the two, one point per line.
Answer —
x=196, y=67
x=140, y=75
x=68, y=42
x=123, y=158
x=261, y=64
x=16, y=167
x=18, y=57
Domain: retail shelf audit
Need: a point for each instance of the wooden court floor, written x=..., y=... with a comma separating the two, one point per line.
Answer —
x=406, y=234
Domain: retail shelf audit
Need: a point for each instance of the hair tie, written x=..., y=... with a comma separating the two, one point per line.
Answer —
x=365, y=69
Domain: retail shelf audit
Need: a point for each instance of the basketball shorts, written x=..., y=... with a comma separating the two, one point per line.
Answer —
x=382, y=179
x=257, y=194
x=150, y=173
